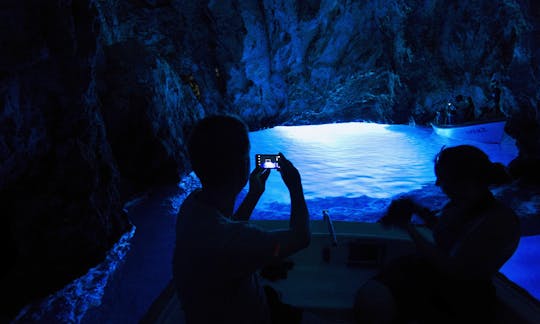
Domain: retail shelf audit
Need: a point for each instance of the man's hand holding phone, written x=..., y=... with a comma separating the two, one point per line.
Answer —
x=289, y=174
x=267, y=161
x=257, y=180
x=298, y=235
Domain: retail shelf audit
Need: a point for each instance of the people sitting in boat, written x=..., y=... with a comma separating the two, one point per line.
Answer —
x=493, y=109
x=449, y=278
x=218, y=253
x=491, y=112
x=464, y=109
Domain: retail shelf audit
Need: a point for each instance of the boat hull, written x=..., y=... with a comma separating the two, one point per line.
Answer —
x=491, y=132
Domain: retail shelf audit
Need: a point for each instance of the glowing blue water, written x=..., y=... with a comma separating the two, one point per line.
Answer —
x=354, y=169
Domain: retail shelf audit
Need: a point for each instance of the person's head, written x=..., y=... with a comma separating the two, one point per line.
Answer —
x=466, y=170
x=218, y=149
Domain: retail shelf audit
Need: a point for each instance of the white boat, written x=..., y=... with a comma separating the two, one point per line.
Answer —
x=486, y=131
x=327, y=275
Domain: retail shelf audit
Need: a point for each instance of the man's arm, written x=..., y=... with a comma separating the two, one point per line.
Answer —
x=244, y=211
x=255, y=248
x=299, y=221
x=299, y=227
x=257, y=183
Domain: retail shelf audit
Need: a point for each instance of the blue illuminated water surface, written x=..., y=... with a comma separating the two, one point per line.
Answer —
x=353, y=170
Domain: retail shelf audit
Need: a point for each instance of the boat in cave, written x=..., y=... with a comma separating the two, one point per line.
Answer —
x=485, y=131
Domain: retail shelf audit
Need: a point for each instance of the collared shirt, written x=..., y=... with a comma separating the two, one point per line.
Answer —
x=215, y=264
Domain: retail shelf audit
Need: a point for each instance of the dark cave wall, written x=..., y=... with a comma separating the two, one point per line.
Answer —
x=145, y=111
x=97, y=96
x=305, y=62
x=313, y=61
x=61, y=210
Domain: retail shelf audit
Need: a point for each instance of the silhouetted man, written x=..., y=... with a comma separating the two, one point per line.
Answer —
x=217, y=251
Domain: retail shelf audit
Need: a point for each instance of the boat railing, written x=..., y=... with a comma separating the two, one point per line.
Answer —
x=470, y=123
x=330, y=225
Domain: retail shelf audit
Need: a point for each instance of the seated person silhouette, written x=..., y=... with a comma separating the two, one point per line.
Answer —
x=447, y=279
x=464, y=109
x=218, y=252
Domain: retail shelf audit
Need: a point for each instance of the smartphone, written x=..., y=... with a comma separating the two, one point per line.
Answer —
x=267, y=161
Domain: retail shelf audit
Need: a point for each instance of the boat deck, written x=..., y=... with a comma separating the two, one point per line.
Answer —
x=325, y=277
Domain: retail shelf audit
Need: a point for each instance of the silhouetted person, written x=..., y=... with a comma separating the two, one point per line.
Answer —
x=218, y=253
x=449, y=278
x=496, y=92
x=464, y=109
x=471, y=109
x=494, y=109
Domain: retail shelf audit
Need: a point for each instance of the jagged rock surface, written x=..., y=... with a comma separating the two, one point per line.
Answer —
x=305, y=62
x=58, y=181
x=97, y=96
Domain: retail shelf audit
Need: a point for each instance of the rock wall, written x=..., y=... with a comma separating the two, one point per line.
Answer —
x=305, y=62
x=61, y=210
x=326, y=61
x=98, y=96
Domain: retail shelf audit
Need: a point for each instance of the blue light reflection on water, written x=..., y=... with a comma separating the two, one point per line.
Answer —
x=523, y=267
x=354, y=169
x=356, y=160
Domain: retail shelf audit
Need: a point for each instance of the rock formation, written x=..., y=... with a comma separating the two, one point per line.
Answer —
x=97, y=96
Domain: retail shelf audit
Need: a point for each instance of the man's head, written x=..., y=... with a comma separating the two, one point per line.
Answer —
x=218, y=149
